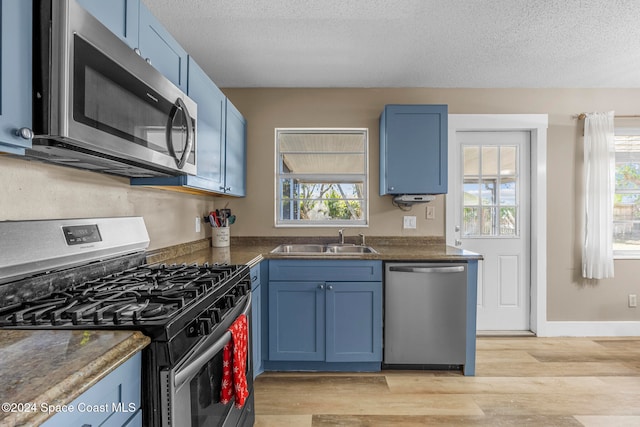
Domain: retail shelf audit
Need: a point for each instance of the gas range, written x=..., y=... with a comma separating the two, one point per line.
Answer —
x=160, y=300
x=91, y=274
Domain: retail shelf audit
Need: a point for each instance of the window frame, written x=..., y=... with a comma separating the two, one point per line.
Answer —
x=626, y=253
x=288, y=223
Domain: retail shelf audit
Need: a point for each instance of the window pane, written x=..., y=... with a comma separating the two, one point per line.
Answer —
x=488, y=222
x=471, y=161
x=490, y=160
x=508, y=191
x=471, y=222
x=626, y=207
x=321, y=176
x=508, y=160
x=488, y=192
x=471, y=192
x=508, y=222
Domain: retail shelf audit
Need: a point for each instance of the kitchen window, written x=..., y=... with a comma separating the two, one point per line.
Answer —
x=626, y=205
x=321, y=177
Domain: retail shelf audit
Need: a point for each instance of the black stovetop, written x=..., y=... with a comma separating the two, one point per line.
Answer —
x=157, y=299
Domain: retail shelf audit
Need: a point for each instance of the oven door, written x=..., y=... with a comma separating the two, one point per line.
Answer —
x=190, y=392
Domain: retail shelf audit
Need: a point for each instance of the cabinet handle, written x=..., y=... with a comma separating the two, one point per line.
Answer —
x=455, y=269
x=254, y=278
x=329, y=287
x=137, y=51
x=148, y=60
x=24, y=133
x=320, y=286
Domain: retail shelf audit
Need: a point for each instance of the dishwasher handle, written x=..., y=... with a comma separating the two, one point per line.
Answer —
x=453, y=269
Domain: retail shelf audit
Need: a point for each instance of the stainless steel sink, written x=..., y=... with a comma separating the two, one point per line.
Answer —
x=330, y=249
x=293, y=248
x=351, y=250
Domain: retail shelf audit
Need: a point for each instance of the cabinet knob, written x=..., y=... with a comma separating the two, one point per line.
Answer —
x=148, y=60
x=320, y=286
x=329, y=287
x=392, y=188
x=24, y=133
x=458, y=242
x=137, y=51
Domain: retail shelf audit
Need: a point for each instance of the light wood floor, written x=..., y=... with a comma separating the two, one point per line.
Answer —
x=520, y=381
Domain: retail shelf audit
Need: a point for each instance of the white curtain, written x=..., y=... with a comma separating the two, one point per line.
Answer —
x=599, y=179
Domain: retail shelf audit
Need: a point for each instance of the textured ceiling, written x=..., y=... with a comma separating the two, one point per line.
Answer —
x=410, y=43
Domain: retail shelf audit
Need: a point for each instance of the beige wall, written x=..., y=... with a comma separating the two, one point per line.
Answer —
x=569, y=297
x=33, y=190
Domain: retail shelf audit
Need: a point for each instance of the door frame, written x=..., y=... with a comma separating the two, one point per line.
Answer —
x=536, y=124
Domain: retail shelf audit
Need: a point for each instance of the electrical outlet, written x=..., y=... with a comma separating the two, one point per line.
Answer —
x=431, y=212
x=633, y=300
x=197, y=224
x=409, y=222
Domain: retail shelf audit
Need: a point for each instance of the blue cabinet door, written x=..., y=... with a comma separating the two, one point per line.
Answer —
x=113, y=401
x=211, y=127
x=354, y=321
x=236, y=152
x=15, y=74
x=119, y=16
x=296, y=321
x=413, y=149
x=161, y=50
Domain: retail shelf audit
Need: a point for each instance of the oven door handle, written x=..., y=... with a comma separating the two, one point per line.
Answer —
x=191, y=367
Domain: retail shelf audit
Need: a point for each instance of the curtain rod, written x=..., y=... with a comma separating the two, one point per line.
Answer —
x=583, y=116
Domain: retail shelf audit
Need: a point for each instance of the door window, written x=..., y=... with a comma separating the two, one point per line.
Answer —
x=490, y=191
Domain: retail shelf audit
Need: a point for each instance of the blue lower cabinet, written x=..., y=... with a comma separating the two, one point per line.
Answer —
x=353, y=322
x=324, y=324
x=113, y=401
x=296, y=321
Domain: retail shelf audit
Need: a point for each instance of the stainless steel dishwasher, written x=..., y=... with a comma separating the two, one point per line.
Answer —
x=425, y=315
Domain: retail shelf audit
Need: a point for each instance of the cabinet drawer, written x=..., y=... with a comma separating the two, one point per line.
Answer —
x=325, y=270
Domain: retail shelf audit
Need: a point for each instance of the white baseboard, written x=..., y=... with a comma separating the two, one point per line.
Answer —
x=589, y=329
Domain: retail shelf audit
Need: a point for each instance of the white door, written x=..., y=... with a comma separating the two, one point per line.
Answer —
x=491, y=215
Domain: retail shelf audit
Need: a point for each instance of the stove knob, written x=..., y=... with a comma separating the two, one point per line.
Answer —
x=230, y=301
x=205, y=326
x=215, y=315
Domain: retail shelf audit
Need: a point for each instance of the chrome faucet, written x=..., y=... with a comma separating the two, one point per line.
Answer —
x=361, y=239
x=341, y=234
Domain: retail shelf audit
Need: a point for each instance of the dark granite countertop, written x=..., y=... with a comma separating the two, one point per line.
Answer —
x=251, y=250
x=55, y=367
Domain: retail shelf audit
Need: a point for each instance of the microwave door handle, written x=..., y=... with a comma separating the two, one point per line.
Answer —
x=180, y=105
x=192, y=366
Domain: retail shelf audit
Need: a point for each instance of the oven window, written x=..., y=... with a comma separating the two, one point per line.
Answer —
x=206, y=409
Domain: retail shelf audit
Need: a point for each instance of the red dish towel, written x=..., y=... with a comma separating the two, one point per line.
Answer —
x=234, y=364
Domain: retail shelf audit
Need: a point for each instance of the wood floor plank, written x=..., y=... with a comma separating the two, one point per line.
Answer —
x=442, y=421
x=520, y=381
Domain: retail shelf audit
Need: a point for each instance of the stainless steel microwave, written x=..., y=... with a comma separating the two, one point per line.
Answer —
x=98, y=105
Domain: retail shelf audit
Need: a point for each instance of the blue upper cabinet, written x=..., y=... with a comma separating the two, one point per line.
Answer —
x=236, y=152
x=137, y=27
x=15, y=76
x=413, y=149
x=119, y=16
x=159, y=48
